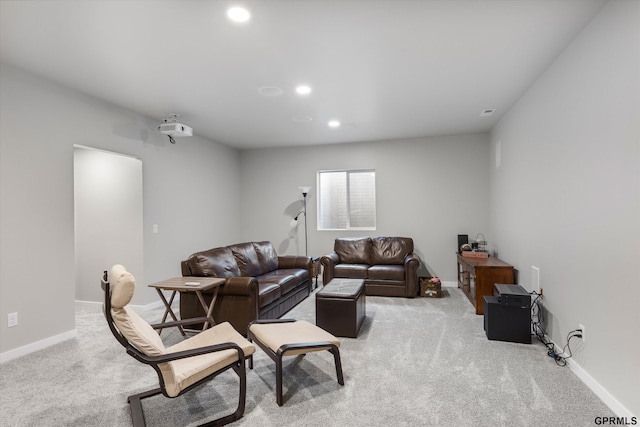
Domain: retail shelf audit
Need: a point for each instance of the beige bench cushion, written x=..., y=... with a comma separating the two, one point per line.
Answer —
x=275, y=335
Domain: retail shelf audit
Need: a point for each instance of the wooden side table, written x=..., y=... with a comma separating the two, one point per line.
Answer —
x=188, y=284
x=315, y=270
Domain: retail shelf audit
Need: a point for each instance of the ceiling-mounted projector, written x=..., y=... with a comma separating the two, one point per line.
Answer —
x=176, y=129
x=172, y=128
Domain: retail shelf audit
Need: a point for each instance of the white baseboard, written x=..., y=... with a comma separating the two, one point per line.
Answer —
x=154, y=305
x=38, y=345
x=618, y=408
x=449, y=284
x=88, y=303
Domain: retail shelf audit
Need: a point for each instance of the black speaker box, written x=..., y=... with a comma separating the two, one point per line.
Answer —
x=506, y=323
x=462, y=239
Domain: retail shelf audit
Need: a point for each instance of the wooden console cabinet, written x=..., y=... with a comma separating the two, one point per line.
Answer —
x=476, y=277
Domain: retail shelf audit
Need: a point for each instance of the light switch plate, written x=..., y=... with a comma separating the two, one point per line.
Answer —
x=12, y=320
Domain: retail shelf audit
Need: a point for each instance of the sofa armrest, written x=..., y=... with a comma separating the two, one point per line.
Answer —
x=411, y=264
x=328, y=262
x=186, y=271
x=294, y=261
x=243, y=286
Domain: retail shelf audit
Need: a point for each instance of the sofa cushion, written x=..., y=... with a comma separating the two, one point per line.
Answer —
x=247, y=259
x=267, y=256
x=386, y=272
x=390, y=250
x=294, y=278
x=268, y=293
x=353, y=250
x=218, y=262
x=354, y=271
x=286, y=279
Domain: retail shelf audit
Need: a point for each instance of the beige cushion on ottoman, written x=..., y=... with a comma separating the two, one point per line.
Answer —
x=288, y=337
x=275, y=335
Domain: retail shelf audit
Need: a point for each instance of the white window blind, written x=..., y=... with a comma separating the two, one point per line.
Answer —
x=347, y=200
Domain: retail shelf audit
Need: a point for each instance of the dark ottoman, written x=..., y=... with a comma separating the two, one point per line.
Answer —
x=341, y=307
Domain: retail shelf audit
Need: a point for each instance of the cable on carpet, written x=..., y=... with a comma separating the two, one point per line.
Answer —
x=537, y=325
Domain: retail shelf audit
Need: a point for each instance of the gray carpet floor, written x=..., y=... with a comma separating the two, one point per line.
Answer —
x=416, y=362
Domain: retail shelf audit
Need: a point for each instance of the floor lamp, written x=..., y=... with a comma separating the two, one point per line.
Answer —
x=305, y=191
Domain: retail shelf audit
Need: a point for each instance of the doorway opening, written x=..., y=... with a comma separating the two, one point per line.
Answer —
x=107, y=217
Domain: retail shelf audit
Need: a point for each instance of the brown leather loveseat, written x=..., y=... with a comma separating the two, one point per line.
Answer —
x=259, y=284
x=388, y=265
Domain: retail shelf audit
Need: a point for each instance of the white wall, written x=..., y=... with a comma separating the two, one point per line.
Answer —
x=430, y=189
x=190, y=191
x=566, y=197
x=107, y=217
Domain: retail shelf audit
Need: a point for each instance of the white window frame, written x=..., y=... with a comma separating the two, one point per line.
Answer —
x=348, y=172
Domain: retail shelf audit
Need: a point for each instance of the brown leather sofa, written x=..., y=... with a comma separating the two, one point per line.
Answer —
x=388, y=265
x=259, y=284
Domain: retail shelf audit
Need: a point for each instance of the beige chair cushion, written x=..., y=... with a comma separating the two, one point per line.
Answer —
x=135, y=329
x=180, y=374
x=123, y=285
x=275, y=335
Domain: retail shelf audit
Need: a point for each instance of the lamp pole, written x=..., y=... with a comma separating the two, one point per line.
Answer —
x=306, y=244
x=305, y=191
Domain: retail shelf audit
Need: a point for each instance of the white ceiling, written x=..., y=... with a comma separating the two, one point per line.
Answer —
x=386, y=69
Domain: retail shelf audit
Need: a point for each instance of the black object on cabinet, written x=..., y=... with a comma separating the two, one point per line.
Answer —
x=462, y=239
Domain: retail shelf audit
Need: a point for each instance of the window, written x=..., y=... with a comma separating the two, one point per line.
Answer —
x=347, y=200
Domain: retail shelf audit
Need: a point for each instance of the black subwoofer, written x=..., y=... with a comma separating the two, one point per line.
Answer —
x=503, y=322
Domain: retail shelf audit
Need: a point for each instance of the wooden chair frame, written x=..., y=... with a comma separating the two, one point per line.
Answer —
x=135, y=401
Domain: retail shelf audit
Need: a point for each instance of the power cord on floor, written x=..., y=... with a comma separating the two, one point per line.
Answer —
x=537, y=325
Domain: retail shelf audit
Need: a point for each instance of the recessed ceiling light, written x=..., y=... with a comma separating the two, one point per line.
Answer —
x=303, y=90
x=270, y=91
x=334, y=123
x=487, y=112
x=238, y=14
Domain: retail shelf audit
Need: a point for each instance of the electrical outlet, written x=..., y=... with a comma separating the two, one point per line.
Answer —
x=12, y=320
x=581, y=327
